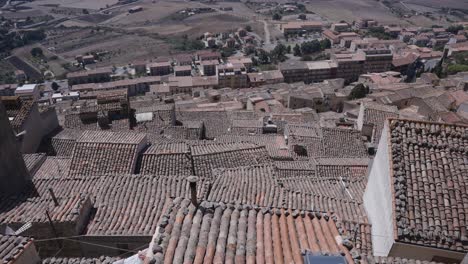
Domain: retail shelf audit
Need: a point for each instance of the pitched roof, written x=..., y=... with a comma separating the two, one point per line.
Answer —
x=18, y=112
x=20, y=210
x=429, y=175
x=100, y=260
x=11, y=247
x=248, y=185
x=54, y=167
x=376, y=114
x=274, y=144
x=221, y=233
x=130, y=197
x=167, y=159
x=33, y=161
x=63, y=143
x=102, y=152
x=216, y=122
x=226, y=155
x=342, y=143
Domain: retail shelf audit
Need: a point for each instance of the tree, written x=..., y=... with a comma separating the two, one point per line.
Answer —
x=310, y=46
x=302, y=17
x=248, y=28
x=288, y=49
x=359, y=91
x=55, y=86
x=454, y=29
x=263, y=57
x=279, y=53
x=455, y=68
x=277, y=16
x=297, y=50
x=325, y=44
x=37, y=52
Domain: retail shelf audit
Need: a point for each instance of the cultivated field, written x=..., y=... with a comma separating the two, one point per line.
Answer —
x=86, y=4
x=352, y=10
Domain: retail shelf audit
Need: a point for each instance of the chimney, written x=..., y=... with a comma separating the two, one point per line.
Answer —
x=193, y=189
x=14, y=176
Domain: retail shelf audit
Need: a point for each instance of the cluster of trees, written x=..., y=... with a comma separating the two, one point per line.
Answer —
x=378, y=32
x=278, y=54
x=37, y=52
x=460, y=63
x=186, y=44
x=7, y=77
x=454, y=29
x=310, y=47
x=359, y=91
x=13, y=39
x=277, y=16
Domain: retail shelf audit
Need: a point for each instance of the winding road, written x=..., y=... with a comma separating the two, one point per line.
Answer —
x=267, y=32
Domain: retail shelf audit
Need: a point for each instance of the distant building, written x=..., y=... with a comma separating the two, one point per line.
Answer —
x=233, y=75
x=28, y=91
x=301, y=27
x=340, y=27
x=135, y=9
x=91, y=76
x=209, y=67
x=8, y=89
x=160, y=68
x=265, y=77
x=185, y=70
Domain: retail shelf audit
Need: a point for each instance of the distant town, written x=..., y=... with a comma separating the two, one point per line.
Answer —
x=170, y=131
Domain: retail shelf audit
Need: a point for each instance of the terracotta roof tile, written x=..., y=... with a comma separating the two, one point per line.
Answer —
x=11, y=247
x=54, y=167
x=34, y=161
x=99, y=152
x=429, y=174
x=63, y=143
x=216, y=122
x=226, y=155
x=376, y=114
x=167, y=159
x=128, y=196
x=274, y=144
x=218, y=233
x=100, y=260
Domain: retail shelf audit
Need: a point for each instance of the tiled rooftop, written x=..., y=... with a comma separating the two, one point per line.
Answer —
x=251, y=185
x=376, y=115
x=429, y=171
x=11, y=247
x=342, y=143
x=18, y=112
x=219, y=233
x=100, y=260
x=167, y=159
x=33, y=161
x=54, y=167
x=99, y=152
x=226, y=155
x=216, y=122
x=136, y=197
x=63, y=143
x=274, y=144
x=18, y=211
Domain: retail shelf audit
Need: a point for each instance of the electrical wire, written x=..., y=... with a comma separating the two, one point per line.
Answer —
x=99, y=245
